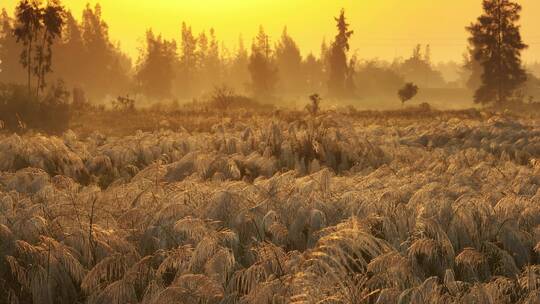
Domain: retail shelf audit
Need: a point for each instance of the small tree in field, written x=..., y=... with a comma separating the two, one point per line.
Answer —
x=408, y=92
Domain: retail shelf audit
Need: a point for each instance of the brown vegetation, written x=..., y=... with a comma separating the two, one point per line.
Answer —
x=412, y=206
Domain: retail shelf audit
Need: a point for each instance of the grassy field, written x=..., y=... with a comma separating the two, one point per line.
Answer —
x=408, y=206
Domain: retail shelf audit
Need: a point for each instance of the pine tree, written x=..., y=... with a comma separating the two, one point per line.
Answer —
x=314, y=73
x=200, y=76
x=95, y=33
x=289, y=63
x=325, y=59
x=264, y=74
x=104, y=68
x=472, y=76
x=418, y=69
x=338, y=65
x=202, y=50
x=427, y=54
x=155, y=72
x=208, y=61
x=417, y=53
x=10, y=68
x=497, y=40
x=188, y=62
x=71, y=50
x=238, y=71
x=213, y=61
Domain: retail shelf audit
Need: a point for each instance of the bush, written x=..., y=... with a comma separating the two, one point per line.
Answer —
x=224, y=99
x=315, y=104
x=21, y=111
x=124, y=104
x=407, y=92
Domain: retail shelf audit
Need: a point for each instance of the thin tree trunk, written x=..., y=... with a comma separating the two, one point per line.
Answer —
x=499, y=50
x=40, y=73
x=29, y=65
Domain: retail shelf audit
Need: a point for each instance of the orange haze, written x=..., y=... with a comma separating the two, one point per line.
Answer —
x=384, y=28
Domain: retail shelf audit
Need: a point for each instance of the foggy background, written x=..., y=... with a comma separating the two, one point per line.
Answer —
x=103, y=49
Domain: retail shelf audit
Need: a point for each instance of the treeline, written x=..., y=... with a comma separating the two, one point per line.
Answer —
x=86, y=59
x=195, y=63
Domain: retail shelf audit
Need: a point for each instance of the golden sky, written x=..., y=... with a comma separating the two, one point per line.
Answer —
x=383, y=28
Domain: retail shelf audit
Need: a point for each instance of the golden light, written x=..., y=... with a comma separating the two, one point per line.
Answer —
x=383, y=28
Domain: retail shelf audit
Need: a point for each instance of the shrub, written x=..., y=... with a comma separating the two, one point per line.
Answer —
x=222, y=98
x=315, y=104
x=408, y=92
x=124, y=104
x=21, y=111
x=225, y=99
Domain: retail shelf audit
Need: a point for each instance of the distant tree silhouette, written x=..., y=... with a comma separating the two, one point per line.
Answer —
x=28, y=25
x=313, y=73
x=104, y=68
x=417, y=53
x=377, y=79
x=37, y=28
x=10, y=52
x=53, y=23
x=497, y=40
x=325, y=54
x=407, y=92
x=264, y=74
x=419, y=69
x=202, y=49
x=155, y=71
x=337, y=59
x=208, y=61
x=350, y=83
x=72, y=49
x=101, y=68
x=473, y=69
x=238, y=73
x=213, y=60
x=95, y=33
x=188, y=61
x=427, y=54
x=289, y=64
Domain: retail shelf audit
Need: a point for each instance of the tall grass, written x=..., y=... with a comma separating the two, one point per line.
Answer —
x=283, y=208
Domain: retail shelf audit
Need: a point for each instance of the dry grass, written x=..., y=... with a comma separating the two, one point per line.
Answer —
x=401, y=207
